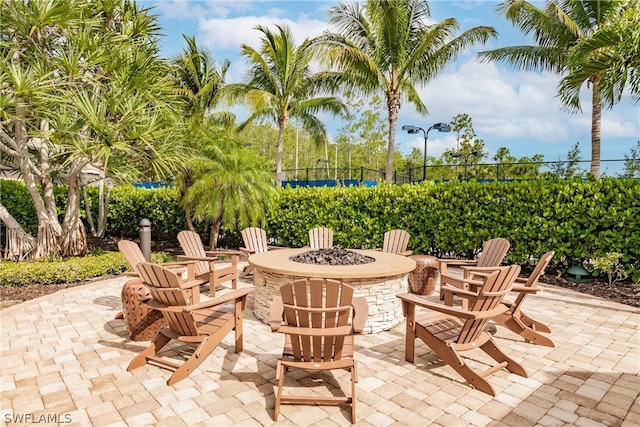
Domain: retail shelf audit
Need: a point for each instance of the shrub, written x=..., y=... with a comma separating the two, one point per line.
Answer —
x=65, y=271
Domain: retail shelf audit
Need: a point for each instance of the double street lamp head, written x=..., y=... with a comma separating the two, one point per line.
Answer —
x=440, y=127
x=410, y=128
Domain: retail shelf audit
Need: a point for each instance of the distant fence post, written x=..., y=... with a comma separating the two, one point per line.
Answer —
x=145, y=238
x=361, y=174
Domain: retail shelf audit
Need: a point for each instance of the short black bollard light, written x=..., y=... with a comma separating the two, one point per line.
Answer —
x=145, y=238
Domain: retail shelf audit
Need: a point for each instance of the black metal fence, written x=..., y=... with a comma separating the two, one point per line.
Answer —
x=478, y=171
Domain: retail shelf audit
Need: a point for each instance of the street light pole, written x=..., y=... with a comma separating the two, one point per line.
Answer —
x=441, y=127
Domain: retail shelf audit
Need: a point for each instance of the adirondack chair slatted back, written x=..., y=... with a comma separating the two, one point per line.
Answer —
x=323, y=306
x=192, y=246
x=490, y=295
x=132, y=253
x=321, y=238
x=395, y=241
x=255, y=239
x=538, y=271
x=165, y=288
x=493, y=252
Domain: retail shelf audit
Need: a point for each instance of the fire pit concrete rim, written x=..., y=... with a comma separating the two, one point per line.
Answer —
x=385, y=265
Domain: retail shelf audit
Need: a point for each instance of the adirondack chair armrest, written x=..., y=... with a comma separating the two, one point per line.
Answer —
x=457, y=261
x=478, y=270
x=195, y=258
x=443, y=264
x=360, y=313
x=192, y=283
x=459, y=283
x=525, y=289
x=180, y=267
x=229, y=296
x=458, y=292
x=234, y=256
x=223, y=253
x=276, y=313
x=412, y=299
x=247, y=252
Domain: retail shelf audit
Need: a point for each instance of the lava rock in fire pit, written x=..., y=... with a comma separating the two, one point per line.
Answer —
x=333, y=256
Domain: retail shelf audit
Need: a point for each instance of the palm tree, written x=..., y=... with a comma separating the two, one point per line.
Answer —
x=556, y=30
x=231, y=186
x=613, y=52
x=199, y=84
x=389, y=46
x=282, y=86
x=200, y=81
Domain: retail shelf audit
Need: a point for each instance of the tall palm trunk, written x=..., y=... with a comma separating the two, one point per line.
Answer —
x=393, y=105
x=282, y=123
x=596, y=119
x=215, y=232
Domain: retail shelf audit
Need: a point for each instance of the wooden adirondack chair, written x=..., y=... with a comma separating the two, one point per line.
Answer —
x=255, y=242
x=451, y=330
x=205, y=324
x=515, y=319
x=319, y=318
x=321, y=238
x=132, y=253
x=396, y=241
x=492, y=255
x=205, y=268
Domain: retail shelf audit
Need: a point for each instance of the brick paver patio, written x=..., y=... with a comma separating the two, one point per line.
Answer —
x=64, y=359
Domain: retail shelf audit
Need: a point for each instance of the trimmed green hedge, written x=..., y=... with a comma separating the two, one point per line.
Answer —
x=68, y=271
x=578, y=220
x=129, y=205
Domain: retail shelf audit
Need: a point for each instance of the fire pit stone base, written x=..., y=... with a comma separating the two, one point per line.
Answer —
x=385, y=310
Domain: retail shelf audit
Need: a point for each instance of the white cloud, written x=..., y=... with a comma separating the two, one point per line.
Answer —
x=231, y=33
x=190, y=9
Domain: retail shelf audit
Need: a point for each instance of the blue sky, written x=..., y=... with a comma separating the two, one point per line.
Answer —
x=509, y=108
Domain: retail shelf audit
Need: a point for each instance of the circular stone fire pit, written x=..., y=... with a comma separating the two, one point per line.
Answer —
x=378, y=281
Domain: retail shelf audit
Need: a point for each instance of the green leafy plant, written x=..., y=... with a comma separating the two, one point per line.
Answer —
x=609, y=264
x=74, y=269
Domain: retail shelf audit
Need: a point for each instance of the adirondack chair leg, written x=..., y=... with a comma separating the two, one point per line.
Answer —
x=280, y=376
x=248, y=269
x=451, y=357
x=354, y=379
x=156, y=345
x=410, y=344
x=238, y=328
x=534, y=324
x=512, y=366
x=199, y=355
x=523, y=329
